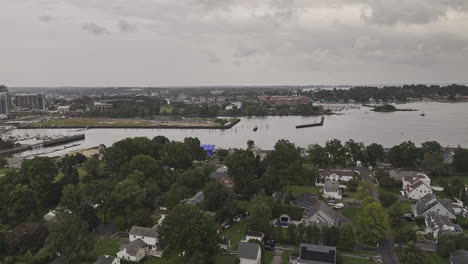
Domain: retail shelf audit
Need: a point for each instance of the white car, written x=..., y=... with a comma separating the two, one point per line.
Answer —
x=338, y=206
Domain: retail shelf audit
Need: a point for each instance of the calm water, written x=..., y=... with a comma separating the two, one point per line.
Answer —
x=446, y=123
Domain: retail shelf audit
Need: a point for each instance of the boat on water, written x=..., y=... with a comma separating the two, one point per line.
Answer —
x=255, y=129
x=423, y=114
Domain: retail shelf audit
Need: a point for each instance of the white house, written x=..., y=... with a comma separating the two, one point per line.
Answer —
x=441, y=225
x=134, y=251
x=249, y=253
x=253, y=235
x=106, y=259
x=142, y=241
x=331, y=190
x=414, y=177
x=417, y=190
x=430, y=203
x=338, y=175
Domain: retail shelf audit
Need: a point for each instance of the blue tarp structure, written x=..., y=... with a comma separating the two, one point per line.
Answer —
x=209, y=149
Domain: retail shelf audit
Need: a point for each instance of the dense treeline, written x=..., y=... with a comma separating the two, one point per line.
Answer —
x=390, y=93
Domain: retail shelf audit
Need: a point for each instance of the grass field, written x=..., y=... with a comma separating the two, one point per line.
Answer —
x=4, y=171
x=433, y=258
x=173, y=260
x=235, y=233
x=353, y=260
x=359, y=252
x=224, y=259
x=297, y=190
x=106, y=246
x=132, y=122
x=350, y=212
x=287, y=255
x=267, y=257
x=464, y=178
x=406, y=207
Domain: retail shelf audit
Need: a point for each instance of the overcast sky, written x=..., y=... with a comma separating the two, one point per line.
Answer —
x=232, y=42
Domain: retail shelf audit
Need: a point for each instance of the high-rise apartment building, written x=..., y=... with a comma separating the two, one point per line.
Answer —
x=5, y=101
x=30, y=101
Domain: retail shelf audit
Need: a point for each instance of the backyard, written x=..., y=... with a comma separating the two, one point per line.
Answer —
x=235, y=233
x=297, y=190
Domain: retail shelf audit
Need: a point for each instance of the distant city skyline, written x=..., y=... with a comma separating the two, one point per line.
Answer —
x=167, y=43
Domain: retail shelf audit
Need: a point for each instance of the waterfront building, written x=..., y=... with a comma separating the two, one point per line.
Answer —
x=5, y=102
x=30, y=101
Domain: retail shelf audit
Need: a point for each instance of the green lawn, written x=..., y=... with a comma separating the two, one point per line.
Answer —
x=287, y=255
x=173, y=260
x=443, y=195
x=4, y=171
x=463, y=178
x=359, y=252
x=433, y=258
x=392, y=190
x=406, y=207
x=267, y=257
x=350, y=212
x=106, y=246
x=406, y=226
x=224, y=259
x=297, y=190
x=353, y=260
x=352, y=195
x=235, y=233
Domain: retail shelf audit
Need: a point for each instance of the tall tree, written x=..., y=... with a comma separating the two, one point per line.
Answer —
x=375, y=152
x=242, y=167
x=196, y=152
x=188, y=229
x=433, y=163
x=127, y=196
x=404, y=155
x=346, y=237
x=372, y=223
x=460, y=160
x=70, y=237
x=26, y=236
x=40, y=173
x=260, y=214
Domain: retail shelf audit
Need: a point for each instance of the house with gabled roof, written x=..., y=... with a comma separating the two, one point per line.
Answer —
x=430, y=203
x=249, y=253
x=143, y=241
x=331, y=190
x=459, y=257
x=343, y=175
x=440, y=225
x=222, y=177
x=417, y=189
x=322, y=215
x=315, y=254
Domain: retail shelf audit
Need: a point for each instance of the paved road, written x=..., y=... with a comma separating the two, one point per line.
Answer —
x=387, y=245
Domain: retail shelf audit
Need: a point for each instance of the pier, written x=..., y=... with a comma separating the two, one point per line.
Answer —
x=49, y=143
x=314, y=124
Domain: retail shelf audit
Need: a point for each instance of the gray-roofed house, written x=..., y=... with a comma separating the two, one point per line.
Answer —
x=305, y=201
x=106, y=259
x=315, y=254
x=459, y=257
x=196, y=199
x=322, y=215
x=430, y=203
x=338, y=174
x=224, y=243
x=134, y=251
x=331, y=190
x=441, y=225
x=222, y=177
x=135, y=248
x=249, y=253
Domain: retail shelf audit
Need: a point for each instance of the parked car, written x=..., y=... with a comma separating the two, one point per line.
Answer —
x=338, y=206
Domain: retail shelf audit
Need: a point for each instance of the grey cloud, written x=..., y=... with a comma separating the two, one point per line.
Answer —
x=126, y=27
x=390, y=12
x=245, y=52
x=212, y=57
x=95, y=29
x=45, y=18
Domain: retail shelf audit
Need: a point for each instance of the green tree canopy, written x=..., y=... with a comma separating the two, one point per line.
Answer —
x=188, y=229
x=372, y=223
